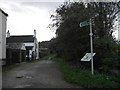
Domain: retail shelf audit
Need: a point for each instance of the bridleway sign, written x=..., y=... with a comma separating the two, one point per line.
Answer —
x=87, y=57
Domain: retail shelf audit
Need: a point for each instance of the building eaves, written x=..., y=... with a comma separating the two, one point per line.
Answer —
x=3, y=12
x=20, y=39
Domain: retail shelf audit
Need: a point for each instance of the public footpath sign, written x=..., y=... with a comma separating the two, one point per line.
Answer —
x=85, y=23
x=87, y=57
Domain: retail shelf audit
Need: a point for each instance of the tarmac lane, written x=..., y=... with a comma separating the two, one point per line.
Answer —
x=41, y=74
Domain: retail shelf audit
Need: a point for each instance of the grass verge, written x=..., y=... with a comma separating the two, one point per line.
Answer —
x=48, y=57
x=84, y=78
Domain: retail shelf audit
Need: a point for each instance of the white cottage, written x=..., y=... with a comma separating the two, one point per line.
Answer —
x=3, y=20
x=30, y=41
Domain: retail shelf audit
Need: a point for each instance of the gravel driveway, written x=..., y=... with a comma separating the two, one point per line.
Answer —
x=41, y=74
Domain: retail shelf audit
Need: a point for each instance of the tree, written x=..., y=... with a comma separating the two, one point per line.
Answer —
x=72, y=42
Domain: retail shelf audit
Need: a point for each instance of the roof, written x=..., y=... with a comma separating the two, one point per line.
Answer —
x=20, y=39
x=20, y=46
x=3, y=12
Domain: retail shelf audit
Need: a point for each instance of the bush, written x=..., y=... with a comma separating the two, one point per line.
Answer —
x=106, y=57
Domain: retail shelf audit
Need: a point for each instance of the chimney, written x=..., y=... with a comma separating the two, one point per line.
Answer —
x=34, y=33
x=8, y=34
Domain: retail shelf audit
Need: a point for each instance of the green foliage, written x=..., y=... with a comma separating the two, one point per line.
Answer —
x=107, y=55
x=43, y=54
x=73, y=42
x=84, y=78
x=118, y=54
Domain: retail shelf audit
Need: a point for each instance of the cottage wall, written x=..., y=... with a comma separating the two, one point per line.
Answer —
x=0, y=37
x=37, y=50
x=29, y=44
x=3, y=19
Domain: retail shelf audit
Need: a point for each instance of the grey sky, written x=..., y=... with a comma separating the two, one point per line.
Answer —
x=48, y=5
x=26, y=15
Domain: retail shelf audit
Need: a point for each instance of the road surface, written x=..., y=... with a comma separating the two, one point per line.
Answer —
x=40, y=74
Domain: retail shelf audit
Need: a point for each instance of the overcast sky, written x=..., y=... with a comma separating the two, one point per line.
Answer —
x=25, y=15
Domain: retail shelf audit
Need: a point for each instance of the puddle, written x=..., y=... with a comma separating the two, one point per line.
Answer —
x=19, y=76
x=22, y=86
x=29, y=77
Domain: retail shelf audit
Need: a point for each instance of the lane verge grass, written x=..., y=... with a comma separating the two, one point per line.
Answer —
x=83, y=77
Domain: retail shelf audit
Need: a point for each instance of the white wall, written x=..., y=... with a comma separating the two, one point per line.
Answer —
x=0, y=51
x=35, y=46
x=29, y=44
x=0, y=35
x=37, y=50
x=3, y=20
